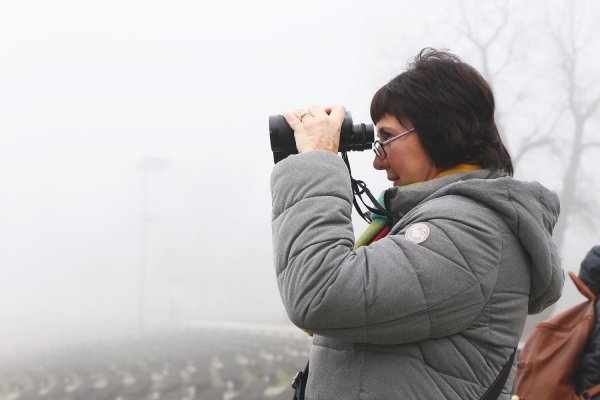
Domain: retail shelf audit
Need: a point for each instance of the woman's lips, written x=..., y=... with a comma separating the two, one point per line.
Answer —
x=396, y=180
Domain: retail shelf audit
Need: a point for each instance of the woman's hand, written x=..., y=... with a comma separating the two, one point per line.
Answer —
x=317, y=128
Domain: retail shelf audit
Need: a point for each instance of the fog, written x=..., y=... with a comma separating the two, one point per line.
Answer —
x=133, y=138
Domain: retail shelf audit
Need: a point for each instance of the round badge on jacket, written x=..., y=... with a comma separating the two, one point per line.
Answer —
x=417, y=233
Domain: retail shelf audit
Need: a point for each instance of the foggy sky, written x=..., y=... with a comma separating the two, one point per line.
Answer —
x=88, y=90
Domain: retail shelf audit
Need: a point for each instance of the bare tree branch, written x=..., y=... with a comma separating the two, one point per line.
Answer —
x=585, y=212
x=500, y=27
x=465, y=26
x=590, y=145
x=531, y=144
x=533, y=141
x=570, y=51
x=509, y=56
x=591, y=109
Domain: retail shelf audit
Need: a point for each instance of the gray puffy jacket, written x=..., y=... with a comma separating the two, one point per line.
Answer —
x=405, y=320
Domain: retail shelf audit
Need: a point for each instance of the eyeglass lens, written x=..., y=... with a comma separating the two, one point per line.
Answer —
x=379, y=150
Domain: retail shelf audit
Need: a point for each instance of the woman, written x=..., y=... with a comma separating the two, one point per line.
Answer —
x=436, y=306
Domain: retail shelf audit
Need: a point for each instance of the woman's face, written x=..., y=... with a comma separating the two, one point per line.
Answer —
x=406, y=161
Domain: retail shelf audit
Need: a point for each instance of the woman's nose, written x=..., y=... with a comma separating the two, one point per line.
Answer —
x=378, y=163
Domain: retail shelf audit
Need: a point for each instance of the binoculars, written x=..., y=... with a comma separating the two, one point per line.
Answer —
x=353, y=137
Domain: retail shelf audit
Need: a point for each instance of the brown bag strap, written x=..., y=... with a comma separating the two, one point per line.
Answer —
x=583, y=289
x=588, y=394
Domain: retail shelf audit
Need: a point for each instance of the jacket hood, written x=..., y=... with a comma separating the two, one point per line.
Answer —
x=589, y=272
x=528, y=208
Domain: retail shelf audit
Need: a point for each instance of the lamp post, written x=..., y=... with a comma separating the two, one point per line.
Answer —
x=147, y=165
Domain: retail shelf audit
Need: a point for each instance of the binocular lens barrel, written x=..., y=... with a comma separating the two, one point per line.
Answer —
x=353, y=137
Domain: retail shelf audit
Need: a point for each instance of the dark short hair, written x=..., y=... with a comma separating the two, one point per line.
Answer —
x=451, y=107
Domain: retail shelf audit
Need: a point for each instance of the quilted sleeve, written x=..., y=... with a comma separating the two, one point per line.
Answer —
x=394, y=291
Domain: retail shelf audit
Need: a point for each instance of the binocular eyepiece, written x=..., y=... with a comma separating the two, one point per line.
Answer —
x=353, y=137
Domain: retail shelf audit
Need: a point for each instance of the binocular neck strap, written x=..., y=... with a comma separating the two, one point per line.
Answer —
x=358, y=189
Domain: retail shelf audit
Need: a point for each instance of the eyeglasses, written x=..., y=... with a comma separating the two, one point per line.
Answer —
x=378, y=146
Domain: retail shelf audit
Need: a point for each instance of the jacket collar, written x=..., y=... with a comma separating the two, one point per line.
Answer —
x=401, y=199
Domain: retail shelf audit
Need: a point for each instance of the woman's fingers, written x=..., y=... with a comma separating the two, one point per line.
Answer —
x=315, y=129
x=293, y=120
x=317, y=112
x=338, y=113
